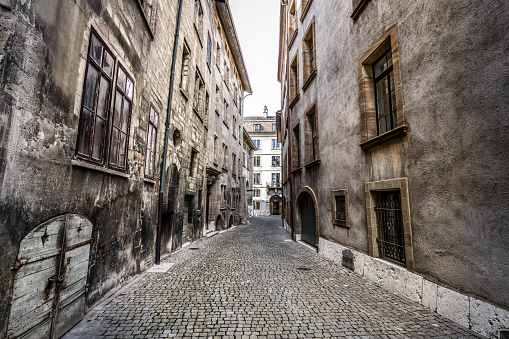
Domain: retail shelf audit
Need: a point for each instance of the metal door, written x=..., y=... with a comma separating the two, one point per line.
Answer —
x=308, y=219
x=51, y=276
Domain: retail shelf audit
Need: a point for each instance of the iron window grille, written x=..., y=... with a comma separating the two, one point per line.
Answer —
x=391, y=239
x=385, y=93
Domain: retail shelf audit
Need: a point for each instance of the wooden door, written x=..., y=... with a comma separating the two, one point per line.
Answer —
x=49, y=284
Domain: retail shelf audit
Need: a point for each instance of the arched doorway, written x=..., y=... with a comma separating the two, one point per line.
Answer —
x=276, y=205
x=230, y=224
x=219, y=223
x=51, y=276
x=308, y=218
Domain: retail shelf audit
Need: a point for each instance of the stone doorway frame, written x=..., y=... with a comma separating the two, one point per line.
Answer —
x=297, y=219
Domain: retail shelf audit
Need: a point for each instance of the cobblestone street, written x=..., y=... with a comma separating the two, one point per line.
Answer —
x=253, y=282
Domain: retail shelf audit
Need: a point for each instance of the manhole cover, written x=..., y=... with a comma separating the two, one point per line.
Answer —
x=303, y=269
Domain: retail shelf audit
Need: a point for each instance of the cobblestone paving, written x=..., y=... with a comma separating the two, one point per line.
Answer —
x=251, y=282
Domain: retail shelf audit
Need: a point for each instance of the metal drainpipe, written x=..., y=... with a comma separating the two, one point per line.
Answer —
x=166, y=137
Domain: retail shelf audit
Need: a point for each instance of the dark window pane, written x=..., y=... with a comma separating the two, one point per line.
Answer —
x=108, y=64
x=102, y=102
x=91, y=85
x=125, y=115
x=378, y=67
x=114, y=146
x=121, y=79
x=117, y=109
x=96, y=50
x=85, y=131
x=122, y=149
x=98, y=138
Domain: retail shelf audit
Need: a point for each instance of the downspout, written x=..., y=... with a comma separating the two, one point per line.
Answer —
x=166, y=137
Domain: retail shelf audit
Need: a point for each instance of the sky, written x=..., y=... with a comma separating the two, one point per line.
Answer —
x=257, y=25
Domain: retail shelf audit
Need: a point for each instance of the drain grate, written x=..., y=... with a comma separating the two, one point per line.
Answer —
x=194, y=248
x=303, y=269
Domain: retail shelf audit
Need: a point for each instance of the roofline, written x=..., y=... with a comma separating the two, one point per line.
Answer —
x=248, y=140
x=225, y=15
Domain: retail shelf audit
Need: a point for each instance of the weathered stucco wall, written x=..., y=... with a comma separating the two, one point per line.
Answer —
x=454, y=66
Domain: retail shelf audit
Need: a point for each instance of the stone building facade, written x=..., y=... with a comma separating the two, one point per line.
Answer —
x=84, y=97
x=267, y=164
x=395, y=140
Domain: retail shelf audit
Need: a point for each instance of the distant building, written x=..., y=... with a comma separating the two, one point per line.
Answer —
x=267, y=164
x=395, y=138
x=248, y=174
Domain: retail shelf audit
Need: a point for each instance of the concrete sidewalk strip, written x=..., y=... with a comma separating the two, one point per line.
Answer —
x=254, y=282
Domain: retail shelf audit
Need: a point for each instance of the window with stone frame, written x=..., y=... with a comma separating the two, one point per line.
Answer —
x=217, y=100
x=209, y=50
x=257, y=127
x=309, y=55
x=192, y=162
x=198, y=19
x=256, y=193
x=304, y=4
x=226, y=114
x=96, y=102
x=218, y=57
x=149, y=10
x=340, y=215
x=226, y=75
x=150, y=154
x=121, y=119
x=296, y=153
x=256, y=178
x=257, y=161
x=294, y=80
x=234, y=164
x=274, y=128
x=225, y=157
x=381, y=102
x=206, y=107
x=185, y=69
x=275, y=144
x=216, y=148
x=234, y=127
x=257, y=205
x=311, y=135
x=199, y=88
x=276, y=179
x=292, y=23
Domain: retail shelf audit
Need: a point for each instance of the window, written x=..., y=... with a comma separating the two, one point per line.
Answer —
x=234, y=164
x=226, y=75
x=223, y=195
x=381, y=102
x=225, y=157
x=340, y=208
x=184, y=74
x=226, y=113
x=218, y=100
x=257, y=143
x=216, y=148
x=234, y=127
x=276, y=161
x=276, y=179
x=274, y=128
x=309, y=55
x=304, y=4
x=257, y=127
x=121, y=119
x=206, y=107
x=192, y=162
x=209, y=50
x=257, y=205
x=389, y=233
x=257, y=161
x=199, y=87
x=292, y=24
x=257, y=193
x=256, y=179
x=311, y=134
x=296, y=157
x=218, y=57
x=198, y=18
x=275, y=144
x=385, y=93
x=150, y=154
x=294, y=80
x=92, y=132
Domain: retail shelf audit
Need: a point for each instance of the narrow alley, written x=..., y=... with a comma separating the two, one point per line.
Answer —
x=253, y=281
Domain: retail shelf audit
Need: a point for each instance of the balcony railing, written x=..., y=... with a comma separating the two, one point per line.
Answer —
x=274, y=184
